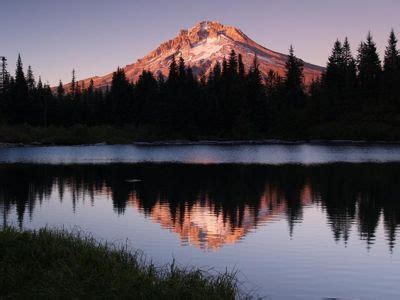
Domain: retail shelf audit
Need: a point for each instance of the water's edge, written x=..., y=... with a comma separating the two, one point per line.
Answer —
x=214, y=142
x=206, y=153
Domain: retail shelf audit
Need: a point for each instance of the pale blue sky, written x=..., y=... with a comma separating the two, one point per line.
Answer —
x=96, y=36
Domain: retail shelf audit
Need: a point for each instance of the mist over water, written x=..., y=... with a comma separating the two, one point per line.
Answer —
x=271, y=154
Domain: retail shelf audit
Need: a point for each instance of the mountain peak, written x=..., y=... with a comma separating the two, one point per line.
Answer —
x=202, y=46
x=206, y=26
x=212, y=29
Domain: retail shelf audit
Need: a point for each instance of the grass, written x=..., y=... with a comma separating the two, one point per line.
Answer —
x=55, y=264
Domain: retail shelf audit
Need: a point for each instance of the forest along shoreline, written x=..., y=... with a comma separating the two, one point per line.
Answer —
x=212, y=143
x=27, y=135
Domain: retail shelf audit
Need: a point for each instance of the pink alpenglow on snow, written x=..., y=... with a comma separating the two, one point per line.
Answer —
x=202, y=46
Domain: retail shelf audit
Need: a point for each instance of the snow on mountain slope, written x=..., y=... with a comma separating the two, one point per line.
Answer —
x=201, y=47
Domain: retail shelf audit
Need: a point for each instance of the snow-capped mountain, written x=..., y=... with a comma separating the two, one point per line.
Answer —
x=201, y=47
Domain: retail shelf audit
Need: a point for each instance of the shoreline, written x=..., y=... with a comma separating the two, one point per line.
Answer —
x=209, y=143
x=30, y=136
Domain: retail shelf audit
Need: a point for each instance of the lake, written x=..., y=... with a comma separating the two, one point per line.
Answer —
x=297, y=221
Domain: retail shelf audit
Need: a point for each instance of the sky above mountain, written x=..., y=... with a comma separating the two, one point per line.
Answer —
x=96, y=36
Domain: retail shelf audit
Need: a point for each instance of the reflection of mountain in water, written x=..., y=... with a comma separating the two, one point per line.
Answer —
x=204, y=226
x=214, y=205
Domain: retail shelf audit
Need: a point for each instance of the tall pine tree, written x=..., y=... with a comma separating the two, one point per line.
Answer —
x=335, y=69
x=350, y=67
x=294, y=81
x=20, y=95
x=391, y=69
x=232, y=64
x=30, y=79
x=173, y=74
x=369, y=67
x=241, y=69
x=60, y=91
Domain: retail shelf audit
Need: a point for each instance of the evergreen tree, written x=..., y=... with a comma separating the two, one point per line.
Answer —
x=391, y=69
x=119, y=98
x=391, y=54
x=20, y=80
x=230, y=102
x=255, y=98
x=173, y=73
x=82, y=86
x=19, y=106
x=335, y=69
x=90, y=89
x=350, y=66
x=4, y=94
x=232, y=64
x=213, y=97
x=40, y=84
x=60, y=91
x=6, y=84
x=216, y=72
x=294, y=81
x=272, y=82
x=31, y=103
x=73, y=84
x=47, y=98
x=173, y=95
x=339, y=80
x=255, y=74
x=119, y=83
x=78, y=90
x=30, y=79
x=40, y=101
x=148, y=104
x=181, y=70
x=224, y=68
x=241, y=69
x=369, y=67
x=89, y=105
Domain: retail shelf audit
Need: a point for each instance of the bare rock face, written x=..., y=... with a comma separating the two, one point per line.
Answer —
x=202, y=46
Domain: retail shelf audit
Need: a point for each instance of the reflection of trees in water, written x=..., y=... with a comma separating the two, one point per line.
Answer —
x=23, y=188
x=359, y=194
x=349, y=194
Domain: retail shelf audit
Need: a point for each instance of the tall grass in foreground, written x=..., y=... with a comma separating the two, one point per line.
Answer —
x=58, y=264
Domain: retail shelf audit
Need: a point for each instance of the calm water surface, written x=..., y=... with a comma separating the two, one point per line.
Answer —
x=296, y=221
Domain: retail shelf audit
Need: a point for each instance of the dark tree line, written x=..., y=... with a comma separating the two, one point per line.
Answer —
x=357, y=97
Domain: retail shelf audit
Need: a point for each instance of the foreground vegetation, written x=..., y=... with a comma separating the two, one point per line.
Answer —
x=59, y=265
x=356, y=98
